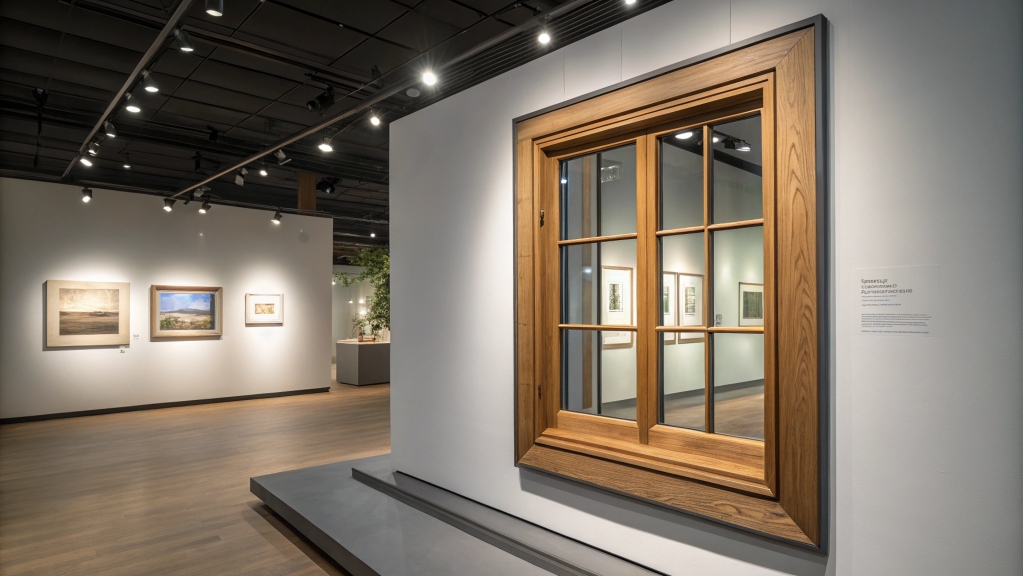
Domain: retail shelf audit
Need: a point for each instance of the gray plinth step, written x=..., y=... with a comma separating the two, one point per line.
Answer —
x=384, y=523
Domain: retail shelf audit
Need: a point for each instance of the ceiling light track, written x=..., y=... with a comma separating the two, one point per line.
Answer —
x=132, y=79
x=399, y=87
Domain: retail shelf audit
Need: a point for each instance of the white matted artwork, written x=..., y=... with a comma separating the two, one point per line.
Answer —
x=751, y=304
x=264, y=309
x=669, y=304
x=86, y=313
x=616, y=304
x=690, y=304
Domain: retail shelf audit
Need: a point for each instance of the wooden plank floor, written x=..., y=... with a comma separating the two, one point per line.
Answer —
x=167, y=491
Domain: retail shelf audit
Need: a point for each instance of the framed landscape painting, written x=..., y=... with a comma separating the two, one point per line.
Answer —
x=86, y=313
x=264, y=309
x=185, y=311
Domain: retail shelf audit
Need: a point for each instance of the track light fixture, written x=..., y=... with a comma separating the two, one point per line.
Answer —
x=327, y=185
x=325, y=145
x=127, y=161
x=215, y=8
x=93, y=148
x=184, y=42
x=277, y=217
x=85, y=160
x=429, y=78
x=214, y=133
x=262, y=169
x=131, y=103
x=742, y=146
x=148, y=83
x=736, y=144
x=108, y=127
x=201, y=190
x=86, y=194
x=544, y=37
x=322, y=102
x=282, y=159
x=168, y=204
x=239, y=176
x=204, y=208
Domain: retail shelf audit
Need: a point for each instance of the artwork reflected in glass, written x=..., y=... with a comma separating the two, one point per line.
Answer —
x=264, y=309
x=751, y=304
x=669, y=304
x=86, y=313
x=690, y=291
x=185, y=312
x=617, y=306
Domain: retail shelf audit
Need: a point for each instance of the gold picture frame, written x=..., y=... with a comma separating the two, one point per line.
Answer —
x=185, y=312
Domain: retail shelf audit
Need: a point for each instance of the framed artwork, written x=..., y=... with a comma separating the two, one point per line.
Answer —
x=690, y=304
x=185, y=312
x=616, y=305
x=264, y=309
x=86, y=313
x=669, y=304
x=751, y=304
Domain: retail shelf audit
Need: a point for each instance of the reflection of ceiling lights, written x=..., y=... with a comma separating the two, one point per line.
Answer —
x=736, y=144
x=564, y=180
x=684, y=135
x=610, y=171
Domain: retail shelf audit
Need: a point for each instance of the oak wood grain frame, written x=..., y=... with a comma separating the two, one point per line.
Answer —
x=780, y=492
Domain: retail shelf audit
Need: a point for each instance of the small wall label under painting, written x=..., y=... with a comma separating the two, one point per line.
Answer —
x=87, y=313
x=751, y=304
x=185, y=311
x=616, y=308
x=264, y=309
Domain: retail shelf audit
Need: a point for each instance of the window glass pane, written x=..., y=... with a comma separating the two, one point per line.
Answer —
x=598, y=194
x=682, y=179
x=682, y=379
x=737, y=184
x=598, y=283
x=683, y=263
x=739, y=277
x=599, y=373
x=739, y=385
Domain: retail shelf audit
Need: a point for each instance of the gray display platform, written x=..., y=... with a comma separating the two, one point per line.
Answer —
x=375, y=521
x=362, y=363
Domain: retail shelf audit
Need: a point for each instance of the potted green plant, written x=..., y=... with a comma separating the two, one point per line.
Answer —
x=377, y=270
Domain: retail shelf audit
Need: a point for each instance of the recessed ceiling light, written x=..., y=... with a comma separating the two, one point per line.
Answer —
x=86, y=194
x=85, y=161
x=132, y=104
x=544, y=37
x=168, y=204
x=215, y=8
x=684, y=135
x=429, y=78
x=148, y=83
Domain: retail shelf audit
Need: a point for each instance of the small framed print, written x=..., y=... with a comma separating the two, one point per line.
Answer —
x=185, y=312
x=264, y=309
x=751, y=304
x=616, y=305
x=669, y=304
x=690, y=305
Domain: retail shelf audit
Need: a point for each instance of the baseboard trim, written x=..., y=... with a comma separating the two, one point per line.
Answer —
x=100, y=411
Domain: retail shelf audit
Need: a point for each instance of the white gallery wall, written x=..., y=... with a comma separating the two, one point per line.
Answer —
x=927, y=432
x=48, y=233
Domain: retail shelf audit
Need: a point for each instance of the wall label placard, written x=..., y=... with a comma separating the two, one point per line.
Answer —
x=901, y=300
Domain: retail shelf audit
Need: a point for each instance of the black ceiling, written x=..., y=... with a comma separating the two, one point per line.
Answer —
x=246, y=85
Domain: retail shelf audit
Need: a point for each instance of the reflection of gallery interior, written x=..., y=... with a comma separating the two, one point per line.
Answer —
x=672, y=287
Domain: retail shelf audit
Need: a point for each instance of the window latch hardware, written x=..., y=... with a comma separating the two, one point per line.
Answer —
x=541, y=217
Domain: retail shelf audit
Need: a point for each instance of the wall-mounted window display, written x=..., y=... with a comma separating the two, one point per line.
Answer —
x=264, y=309
x=185, y=312
x=675, y=356
x=87, y=313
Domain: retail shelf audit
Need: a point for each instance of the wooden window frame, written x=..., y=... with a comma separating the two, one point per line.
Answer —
x=776, y=487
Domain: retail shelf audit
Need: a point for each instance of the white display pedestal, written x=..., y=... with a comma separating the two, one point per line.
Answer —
x=362, y=363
